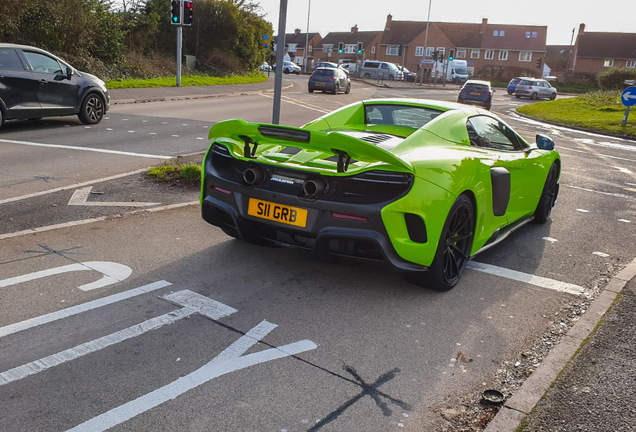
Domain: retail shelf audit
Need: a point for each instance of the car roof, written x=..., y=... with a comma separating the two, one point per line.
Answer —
x=486, y=83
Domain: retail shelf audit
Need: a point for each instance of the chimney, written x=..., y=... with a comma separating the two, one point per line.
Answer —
x=484, y=23
x=581, y=28
x=297, y=31
x=354, y=29
x=389, y=20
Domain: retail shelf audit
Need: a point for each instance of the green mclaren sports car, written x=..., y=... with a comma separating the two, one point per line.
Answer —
x=420, y=185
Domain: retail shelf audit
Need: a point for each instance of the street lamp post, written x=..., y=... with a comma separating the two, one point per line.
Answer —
x=307, y=38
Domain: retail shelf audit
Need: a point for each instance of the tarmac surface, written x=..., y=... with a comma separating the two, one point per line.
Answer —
x=587, y=382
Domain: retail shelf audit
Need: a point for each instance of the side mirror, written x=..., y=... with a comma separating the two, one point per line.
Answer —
x=544, y=143
x=69, y=72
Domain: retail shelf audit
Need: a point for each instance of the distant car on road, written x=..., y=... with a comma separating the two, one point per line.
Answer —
x=408, y=75
x=329, y=79
x=535, y=89
x=34, y=83
x=331, y=65
x=290, y=67
x=476, y=92
x=265, y=67
x=512, y=85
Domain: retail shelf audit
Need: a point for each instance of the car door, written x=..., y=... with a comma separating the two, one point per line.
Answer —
x=18, y=86
x=57, y=93
x=513, y=154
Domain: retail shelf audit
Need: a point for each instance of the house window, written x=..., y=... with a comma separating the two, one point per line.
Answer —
x=499, y=33
x=460, y=53
x=373, y=49
x=430, y=51
x=531, y=35
x=291, y=47
x=503, y=55
x=608, y=63
x=630, y=64
x=419, y=51
x=474, y=54
x=350, y=49
x=489, y=54
x=442, y=51
x=393, y=50
x=525, y=56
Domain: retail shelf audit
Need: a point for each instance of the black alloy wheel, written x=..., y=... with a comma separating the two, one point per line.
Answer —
x=548, y=196
x=92, y=109
x=453, y=249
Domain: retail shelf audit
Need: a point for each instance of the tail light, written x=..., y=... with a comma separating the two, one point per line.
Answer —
x=332, y=79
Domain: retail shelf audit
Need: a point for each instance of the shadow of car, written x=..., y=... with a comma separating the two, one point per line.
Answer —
x=34, y=83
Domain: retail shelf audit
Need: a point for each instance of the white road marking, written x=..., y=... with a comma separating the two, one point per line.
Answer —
x=74, y=186
x=623, y=170
x=527, y=278
x=92, y=220
x=624, y=220
x=304, y=105
x=84, y=307
x=230, y=360
x=80, y=198
x=88, y=149
x=550, y=239
x=604, y=156
x=617, y=195
x=111, y=273
x=601, y=254
x=582, y=210
x=192, y=303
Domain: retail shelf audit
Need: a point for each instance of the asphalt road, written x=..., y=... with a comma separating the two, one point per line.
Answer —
x=191, y=330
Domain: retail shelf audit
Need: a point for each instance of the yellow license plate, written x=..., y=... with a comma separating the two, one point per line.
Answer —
x=320, y=84
x=277, y=212
x=475, y=93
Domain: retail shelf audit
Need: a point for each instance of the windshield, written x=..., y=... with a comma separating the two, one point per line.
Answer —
x=461, y=70
x=399, y=115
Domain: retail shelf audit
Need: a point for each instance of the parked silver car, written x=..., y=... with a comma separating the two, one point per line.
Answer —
x=535, y=88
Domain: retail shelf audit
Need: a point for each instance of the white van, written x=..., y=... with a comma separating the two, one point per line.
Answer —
x=380, y=69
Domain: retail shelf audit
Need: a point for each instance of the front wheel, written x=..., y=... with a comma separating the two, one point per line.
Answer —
x=367, y=76
x=453, y=249
x=553, y=96
x=92, y=109
x=548, y=196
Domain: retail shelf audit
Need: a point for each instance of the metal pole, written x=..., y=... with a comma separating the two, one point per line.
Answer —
x=179, y=34
x=625, y=117
x=307, y=37
x=428, y=22
x=280, y=54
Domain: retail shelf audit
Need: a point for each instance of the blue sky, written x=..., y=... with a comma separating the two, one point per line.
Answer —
x=370, y=15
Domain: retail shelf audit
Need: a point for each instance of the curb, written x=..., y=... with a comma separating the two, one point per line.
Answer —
x=192, y=96
x=514, y=411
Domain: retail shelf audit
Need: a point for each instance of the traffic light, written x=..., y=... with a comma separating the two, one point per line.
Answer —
x=359, y=47
x=187, y=12
x=539, y=63
x=340, y=47
x=175, y=12
x=435, y=55
x=451, y=54
x=441, y=56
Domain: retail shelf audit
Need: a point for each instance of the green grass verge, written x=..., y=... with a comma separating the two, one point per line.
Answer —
x=172, y=172
x=597, y=111
x=186, y=81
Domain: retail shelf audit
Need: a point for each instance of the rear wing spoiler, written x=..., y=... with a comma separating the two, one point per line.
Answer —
x=347, y=148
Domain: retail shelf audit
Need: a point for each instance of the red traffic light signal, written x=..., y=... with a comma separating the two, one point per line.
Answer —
x=175, y=12
x=187, y=12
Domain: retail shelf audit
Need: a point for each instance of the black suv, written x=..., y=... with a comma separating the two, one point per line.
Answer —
x=35, y=83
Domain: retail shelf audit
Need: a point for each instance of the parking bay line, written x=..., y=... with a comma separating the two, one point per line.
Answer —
x=89, y=149
x=527, y=278
x=84, y=307
x=191, y=303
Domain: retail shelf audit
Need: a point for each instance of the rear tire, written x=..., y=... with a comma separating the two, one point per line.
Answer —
x=534, y=96
x=453, y=249
x=348, y=89
x=367, y=76
x=92, y=109
x=311, y=90
x=336, y=88
x=548, y=196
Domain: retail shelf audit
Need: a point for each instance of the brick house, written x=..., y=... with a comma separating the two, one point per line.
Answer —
x=369, y=41
x=295, y=46
x=596, y=52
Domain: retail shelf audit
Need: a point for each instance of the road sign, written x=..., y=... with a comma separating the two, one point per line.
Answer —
x=628, y=98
